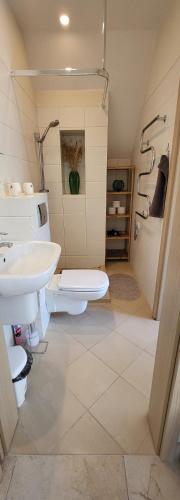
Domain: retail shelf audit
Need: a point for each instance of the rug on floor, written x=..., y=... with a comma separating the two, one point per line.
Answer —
x=123, y=287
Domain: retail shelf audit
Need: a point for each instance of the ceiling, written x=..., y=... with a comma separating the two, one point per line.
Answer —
x=43, y=15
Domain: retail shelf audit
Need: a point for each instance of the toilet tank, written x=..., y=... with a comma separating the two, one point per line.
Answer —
x=25, y=217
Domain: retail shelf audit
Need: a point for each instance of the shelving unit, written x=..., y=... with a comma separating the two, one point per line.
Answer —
x=118, y=247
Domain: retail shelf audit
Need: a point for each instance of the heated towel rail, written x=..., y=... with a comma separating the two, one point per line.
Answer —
x=144, y=148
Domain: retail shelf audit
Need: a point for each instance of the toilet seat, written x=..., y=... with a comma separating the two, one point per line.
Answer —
x=83, y=280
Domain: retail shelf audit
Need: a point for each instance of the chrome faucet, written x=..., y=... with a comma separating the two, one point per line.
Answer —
x=5, y=243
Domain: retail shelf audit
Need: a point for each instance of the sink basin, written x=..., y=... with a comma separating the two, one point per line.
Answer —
x=26, y=267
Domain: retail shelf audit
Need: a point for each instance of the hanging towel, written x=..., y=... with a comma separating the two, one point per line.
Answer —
x=158, y=203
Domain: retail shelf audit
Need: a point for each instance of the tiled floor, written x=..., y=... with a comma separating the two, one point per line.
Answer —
x=88, y=477
x=89, y=393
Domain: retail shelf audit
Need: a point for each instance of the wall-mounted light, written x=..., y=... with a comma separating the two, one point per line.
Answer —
x=64, y=19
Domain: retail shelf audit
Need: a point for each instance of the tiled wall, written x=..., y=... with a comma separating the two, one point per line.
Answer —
x=77, y=221
x=17, y=108
x=161, y=99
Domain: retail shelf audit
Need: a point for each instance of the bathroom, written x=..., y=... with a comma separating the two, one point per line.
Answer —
x=78, y=95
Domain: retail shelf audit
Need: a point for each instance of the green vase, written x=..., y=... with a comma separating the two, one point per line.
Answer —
x=74, y=182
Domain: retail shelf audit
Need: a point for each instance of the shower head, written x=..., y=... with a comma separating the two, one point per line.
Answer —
x=51, y=124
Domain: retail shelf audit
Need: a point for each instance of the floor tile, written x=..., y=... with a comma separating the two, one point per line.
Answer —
x=88, y=378
x=88, y=436
x=147, y=446
x=149, y=478
x=122, y=411
x=140, y=373
x=62, y=349
x=22, y=443
x=8, y=469
x=139, y=330
x=69, y=478
x=89, y=335
x=49, y=417
x=117, y=352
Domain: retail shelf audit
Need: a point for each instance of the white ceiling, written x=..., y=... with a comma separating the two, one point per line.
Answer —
x=131, y=37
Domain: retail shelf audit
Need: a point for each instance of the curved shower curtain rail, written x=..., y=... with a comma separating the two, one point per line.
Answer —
x=101, y=72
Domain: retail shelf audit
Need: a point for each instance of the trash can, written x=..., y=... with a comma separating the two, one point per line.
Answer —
x=20, y=362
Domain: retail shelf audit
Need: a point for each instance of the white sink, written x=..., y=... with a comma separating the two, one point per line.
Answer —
x=26, y=267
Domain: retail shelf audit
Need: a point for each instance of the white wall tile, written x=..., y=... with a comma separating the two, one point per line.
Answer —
x=47, y=115
x=77, y=262
x=75, y=234
x=55, y=189
x=96, y=156
x=95, y=261
x=52, y=155
x=96, y=117
x=96, y=189
x=94, y=206
x=57, y=230
x=96, y=173
x=52, y=173
x=71, y=118
x=95, y=227
x=95, y=246
x=73, y=204
x=55, y=205
x=96, y=137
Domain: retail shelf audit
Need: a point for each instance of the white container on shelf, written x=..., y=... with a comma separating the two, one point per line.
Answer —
x=121, y=210
x=15, y=189
x=111, y=210
x=116, y=203
x=28, y=188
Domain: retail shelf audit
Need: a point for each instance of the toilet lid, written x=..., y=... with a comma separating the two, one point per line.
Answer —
x=17, y=360
x=83, y=280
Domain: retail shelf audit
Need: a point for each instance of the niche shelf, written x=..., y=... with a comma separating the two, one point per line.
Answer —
x=118, y=246
x=69, y=137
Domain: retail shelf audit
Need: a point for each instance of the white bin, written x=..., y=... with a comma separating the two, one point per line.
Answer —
x=17, y=361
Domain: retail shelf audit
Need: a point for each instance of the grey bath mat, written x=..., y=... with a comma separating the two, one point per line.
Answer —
x=123, y=287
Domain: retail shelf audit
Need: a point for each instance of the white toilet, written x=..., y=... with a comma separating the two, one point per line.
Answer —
x=71, y=290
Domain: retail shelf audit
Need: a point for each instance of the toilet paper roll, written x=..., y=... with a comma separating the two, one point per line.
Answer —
x=121, y=210
x=28, y=188
x=116, y=203
x=111, y=210
x=15, y=189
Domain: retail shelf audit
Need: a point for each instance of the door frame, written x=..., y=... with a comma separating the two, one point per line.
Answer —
x=170, y=447
x=163, y=397
x=167, y=212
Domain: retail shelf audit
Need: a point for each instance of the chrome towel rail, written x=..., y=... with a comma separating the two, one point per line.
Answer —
x=145, y=147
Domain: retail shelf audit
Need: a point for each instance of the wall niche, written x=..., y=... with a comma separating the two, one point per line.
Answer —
x=72, y=158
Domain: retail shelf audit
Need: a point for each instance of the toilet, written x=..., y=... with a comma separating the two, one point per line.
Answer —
x=71, y=290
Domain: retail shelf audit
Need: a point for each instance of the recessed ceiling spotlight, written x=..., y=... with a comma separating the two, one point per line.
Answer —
x=64, y=20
